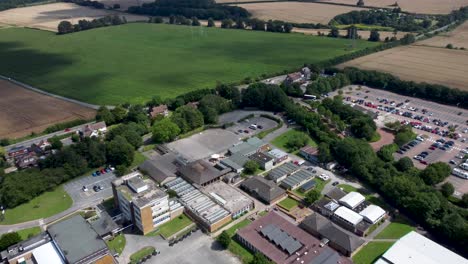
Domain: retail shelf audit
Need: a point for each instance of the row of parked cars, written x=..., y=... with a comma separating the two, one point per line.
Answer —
x=103, y=171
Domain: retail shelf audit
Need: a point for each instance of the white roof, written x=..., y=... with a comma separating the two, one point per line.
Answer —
x=349, y=215
x=352, y=199
x=415, y=248
x=372, y=213
x=277, y=153
x=47, y=254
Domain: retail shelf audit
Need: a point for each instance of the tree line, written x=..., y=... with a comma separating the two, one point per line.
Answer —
x=94, y=4
x=405, y=187
x=65, y=27
x=8, y=4
x=203, y=9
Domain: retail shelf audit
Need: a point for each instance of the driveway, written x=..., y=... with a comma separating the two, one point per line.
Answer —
x=197, y=248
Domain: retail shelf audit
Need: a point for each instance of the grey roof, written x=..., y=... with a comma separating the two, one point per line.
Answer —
x=297, y=178
x=236, y=161
x=201, y=172
x=285, y=169
x=265, y=189
x=260, y=158
x=161, y=167
x=281, y=238
x=76, y=239
x=27, y=245
x=245, y=148
x=332, y=232
x=308, y=185
x=335, y=194
x=104, y=225
x=328, y=256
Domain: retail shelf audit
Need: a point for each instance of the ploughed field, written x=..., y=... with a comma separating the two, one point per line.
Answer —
x=457, y=37
x=23, y=111
x=420, y=64
x=136, y=61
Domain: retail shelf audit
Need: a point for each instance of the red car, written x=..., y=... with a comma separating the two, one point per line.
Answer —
x=103, y=171
x=431, y=148
x=423, y=162
x=67, y=129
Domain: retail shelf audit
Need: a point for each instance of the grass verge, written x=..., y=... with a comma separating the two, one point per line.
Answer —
x=117, y=244
x=281, y=141
x=288, y=203
x=399, y=227
x=371, y=252
x=237, y=249
x=170, y=228
x=140, y=254
x=29, y=232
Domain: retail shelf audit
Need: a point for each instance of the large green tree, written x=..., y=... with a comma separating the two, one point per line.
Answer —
x=165, y=131
x=120, y=152
x=9, y=239
x=187, y=118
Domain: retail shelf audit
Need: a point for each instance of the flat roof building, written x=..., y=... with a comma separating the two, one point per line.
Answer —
x=373, y=213
x=415, y=248
x=280, y=173
x=264, y=161
x=200, y=206
x=202, y=172
x=249, y=147
x=236, y=162
x=263, y=189
x=161, y=168
x=335, y=194
x=143, y=203
x=309, y=153
x=230, y=198
x=297, y=179
x=77, y=241
x=278, y=155
x=282, y=242
x=352, y=200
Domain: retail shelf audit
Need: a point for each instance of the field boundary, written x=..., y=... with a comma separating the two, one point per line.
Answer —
x=37, y=90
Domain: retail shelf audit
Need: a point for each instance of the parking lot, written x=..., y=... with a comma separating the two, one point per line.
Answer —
x=433, y=122
x=75, y=188
x=252, y=126
x=204, y=144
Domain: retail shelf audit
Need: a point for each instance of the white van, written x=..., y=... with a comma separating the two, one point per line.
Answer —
x=460, y=173
x=464, y=166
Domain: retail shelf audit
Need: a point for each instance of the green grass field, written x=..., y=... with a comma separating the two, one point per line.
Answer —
x=288, y=203
x=371, y=252
x=396, y=229
x=117, y=244
x=281, y=140
x=29, y=232
x=45, y=205
x=175, y=225
x=237, y=249
x=134, y=62
x=140, y=254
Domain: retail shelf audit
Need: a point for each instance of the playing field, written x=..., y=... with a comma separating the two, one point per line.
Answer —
x=414, y=6
x=457, y=37
x=23, y=111
x=420, y=64
x=47, y=17
x=134, y=62
x=297, y=12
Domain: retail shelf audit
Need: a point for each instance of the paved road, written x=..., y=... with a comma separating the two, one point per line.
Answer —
x=29, y=142
x=197, y=248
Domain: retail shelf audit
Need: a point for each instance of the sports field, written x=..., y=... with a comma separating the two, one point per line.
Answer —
x=134, y=62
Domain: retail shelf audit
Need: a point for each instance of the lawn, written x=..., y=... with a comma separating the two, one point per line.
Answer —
x=43, y=206
x=175, y=225
x=29, y=232
x=134, y=62
x=237, y=249
x=396, y=229
x=140, y=254
x=138, y=159
x=288, y=203
x=282, y=140
x=117, y=244
x=371, y=252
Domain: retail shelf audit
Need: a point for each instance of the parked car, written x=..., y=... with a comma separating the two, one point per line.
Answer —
x=94, y=174
x=423, y=162
x=335, y=183
x=85, y=189
x=96, y=188
x=98, y=173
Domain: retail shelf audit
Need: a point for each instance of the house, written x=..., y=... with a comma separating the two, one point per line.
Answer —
x=202, y=173
x=160, y=110
x=263, y=189
x=292, y=78
x=280, y=173
x=306, y=73
x=40, y=148
x=352, y=200
x=264, y=161
x=25, y=161
x=283, y=242
x=341, y=240
x=94, y=130
x=310, y=153
x=17, y=151
x=416, y=248
x=278, y=155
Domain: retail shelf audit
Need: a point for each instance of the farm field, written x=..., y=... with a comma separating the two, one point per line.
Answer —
x=47, y=17
x=414, y=6
x=136, y=61
x=420, y=64
x=363, y=33
x=457, y=37
x=297, y=12
x=23, y=111
x=125, y=4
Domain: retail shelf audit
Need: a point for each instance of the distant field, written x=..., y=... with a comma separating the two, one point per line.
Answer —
x=125, y=4
x=419, y=64
x=134, y=62
x=363, y=33
x=47, y=17
x=297, y=12
x=414, y=6
x=457, y=37
x=23, y=111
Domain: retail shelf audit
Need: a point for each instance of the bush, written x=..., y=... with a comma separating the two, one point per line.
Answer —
x=250, y=167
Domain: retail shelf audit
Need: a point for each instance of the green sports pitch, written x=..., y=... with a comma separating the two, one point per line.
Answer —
x=134, y=62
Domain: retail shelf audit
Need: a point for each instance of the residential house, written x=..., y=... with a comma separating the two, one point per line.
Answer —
x=310, y=153
x=160, y=110
x=94, y=130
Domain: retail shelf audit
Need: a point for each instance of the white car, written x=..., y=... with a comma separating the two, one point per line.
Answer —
x=324, y=177
x=85, y=189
